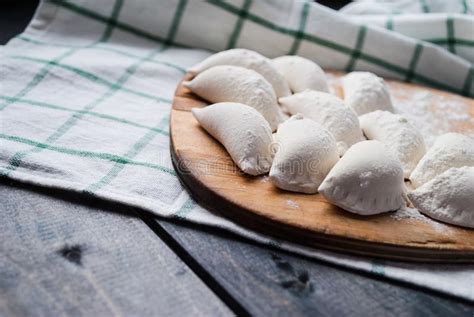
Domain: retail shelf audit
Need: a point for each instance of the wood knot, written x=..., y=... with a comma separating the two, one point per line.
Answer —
x=296, y=281
x=72, y=253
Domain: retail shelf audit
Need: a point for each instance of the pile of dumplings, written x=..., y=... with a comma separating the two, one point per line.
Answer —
x=278, y=116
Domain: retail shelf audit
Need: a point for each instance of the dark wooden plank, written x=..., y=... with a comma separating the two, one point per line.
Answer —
x=250, y=278
x=270, y=282
x=61, y=257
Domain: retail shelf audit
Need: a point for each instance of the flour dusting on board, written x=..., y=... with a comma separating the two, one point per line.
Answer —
x=265, y=179
x=408, y=213
x=292, y=204
x=431, y=114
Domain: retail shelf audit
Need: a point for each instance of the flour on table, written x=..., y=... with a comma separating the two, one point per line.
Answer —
x=292, y=204
x=409, y=213
x=412, y=214
x=265, y=179
x=432, y=114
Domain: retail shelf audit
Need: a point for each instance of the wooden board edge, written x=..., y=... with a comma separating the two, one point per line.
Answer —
x=211, y=201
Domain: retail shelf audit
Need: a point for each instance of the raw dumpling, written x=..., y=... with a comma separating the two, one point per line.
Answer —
x=306, y=153
x=241, y=85
x=367, y=180
x=398, y=134
x=449, y=150
x=242, y=130
x=301, y=73
x=247, y=59
x=365, y=92
x=329, y=111
x=449, y=197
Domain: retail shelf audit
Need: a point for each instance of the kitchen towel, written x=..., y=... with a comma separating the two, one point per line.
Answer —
x=448, y=24
x=86, y=90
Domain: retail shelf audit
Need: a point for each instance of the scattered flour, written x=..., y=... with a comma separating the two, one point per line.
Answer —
x=432, y=114
x=409, y=213
x=292, y=204
x=412, y=214
x=265, y=179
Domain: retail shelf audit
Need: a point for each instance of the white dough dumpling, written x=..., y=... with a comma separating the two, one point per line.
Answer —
x=243, y=132
x=366, y=92
x=398, y=134
x=449, y=197
x=247, y=59
x=306, y=153
x=329, y=111
x=449, y=150
x=301, y=73
x=241, y=85
x=367, y=180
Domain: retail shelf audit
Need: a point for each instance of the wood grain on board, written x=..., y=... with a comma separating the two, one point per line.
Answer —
x=208, y=172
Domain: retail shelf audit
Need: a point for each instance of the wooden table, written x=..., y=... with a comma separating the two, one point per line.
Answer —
x=66, y=254
x=62, y=253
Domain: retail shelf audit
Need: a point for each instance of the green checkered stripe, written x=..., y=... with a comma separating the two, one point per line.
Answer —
x=427, y=6
x=244, y=15
x=447, y=39
x=8, y=102
x=355, y=53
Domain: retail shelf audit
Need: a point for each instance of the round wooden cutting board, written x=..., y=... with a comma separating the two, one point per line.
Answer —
x=211, y=177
